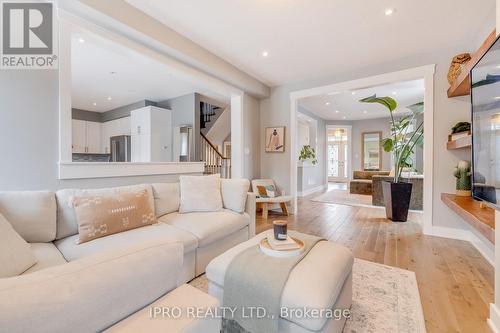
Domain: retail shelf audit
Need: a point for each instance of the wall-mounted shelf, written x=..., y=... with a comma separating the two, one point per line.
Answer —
x=461, y=85
x=481, y=219
x=460, y=143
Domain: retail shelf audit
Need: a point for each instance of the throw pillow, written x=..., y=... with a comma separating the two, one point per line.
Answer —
x=100, y=216
x=15, y=253
x=266, y=191
x=200, y=194
x=234, y=194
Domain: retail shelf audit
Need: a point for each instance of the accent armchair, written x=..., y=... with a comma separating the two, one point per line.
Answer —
x=264, y=202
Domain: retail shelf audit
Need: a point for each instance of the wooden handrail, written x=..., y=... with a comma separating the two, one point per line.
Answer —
x=213, y=147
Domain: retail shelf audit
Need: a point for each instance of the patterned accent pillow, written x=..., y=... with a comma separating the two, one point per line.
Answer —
x=100, y=216
x=266, y=191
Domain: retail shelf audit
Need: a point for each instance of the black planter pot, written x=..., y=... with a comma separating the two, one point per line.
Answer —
x=397, y=200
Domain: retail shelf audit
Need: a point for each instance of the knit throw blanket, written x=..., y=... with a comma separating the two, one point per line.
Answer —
x=253, y=285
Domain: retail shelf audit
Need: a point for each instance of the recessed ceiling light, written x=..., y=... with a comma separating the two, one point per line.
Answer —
x=389, y=11
x=498, y=97
x=81, y=40
x=337, y=111
x=394, y=93
x=109, y=98
x=327, y=103
x=344, y=117
x=498, y=67
x=365, y=112
x=354, y=93
x=95, y=104
x=265, y=53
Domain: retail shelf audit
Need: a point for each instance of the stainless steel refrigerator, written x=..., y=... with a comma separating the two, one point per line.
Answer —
x=120, y=148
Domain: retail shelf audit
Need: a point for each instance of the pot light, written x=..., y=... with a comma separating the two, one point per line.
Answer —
x=94, y=104
x=327, y=103
x=394, y=93
x=265, y=53
x=344, y=117
x=109, y=98
x=337, y=111
x=353, y=93
x=365, y=112
x=389, y=11
x=81, y=40
x=498, y=97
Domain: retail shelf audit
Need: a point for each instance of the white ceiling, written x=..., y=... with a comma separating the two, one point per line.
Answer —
x=309, y=39
x=135, y=77
x=350, y=108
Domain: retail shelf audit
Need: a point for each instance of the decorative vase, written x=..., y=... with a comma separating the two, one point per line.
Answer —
x=397, y=200
x=463, y=175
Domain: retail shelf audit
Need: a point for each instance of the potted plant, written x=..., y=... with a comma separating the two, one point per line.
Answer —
x=405, y=136
x=308, y=153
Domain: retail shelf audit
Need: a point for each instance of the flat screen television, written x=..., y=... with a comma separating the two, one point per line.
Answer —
x=485, y=95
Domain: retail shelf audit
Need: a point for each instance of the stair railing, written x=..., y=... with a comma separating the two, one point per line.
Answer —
x=215, y=162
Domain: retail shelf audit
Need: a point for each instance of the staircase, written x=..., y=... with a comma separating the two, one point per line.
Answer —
x=214, y=161
x=208, y=116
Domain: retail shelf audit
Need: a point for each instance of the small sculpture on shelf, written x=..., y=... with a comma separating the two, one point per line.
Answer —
x=463, y=174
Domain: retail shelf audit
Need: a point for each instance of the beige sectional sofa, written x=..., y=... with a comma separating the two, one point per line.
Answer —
x=164, y=256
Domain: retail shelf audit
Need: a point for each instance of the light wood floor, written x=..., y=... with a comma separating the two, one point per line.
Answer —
x=454, y=280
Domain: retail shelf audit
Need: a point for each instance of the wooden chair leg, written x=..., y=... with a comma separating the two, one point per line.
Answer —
x=265, y=207
x=284, y=208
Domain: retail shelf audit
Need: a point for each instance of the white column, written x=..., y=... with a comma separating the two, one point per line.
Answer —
x=237, y=136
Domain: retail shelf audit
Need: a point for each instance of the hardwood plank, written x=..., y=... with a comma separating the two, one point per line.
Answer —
x=455, y=282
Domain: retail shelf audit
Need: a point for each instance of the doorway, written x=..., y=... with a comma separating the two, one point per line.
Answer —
x=338, y=140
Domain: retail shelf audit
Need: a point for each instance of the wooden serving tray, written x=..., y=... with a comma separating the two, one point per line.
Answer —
x=266, y=248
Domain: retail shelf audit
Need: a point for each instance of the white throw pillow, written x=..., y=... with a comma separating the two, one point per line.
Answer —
x=200, y=194
x=167, y=198
x=234, y=194
x=15, y=254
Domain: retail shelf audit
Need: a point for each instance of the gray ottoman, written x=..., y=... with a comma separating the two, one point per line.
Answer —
x=322, y=280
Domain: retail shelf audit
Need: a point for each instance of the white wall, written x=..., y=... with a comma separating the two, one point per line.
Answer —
x=275, y=111
x=251, y=137
x=314, y=176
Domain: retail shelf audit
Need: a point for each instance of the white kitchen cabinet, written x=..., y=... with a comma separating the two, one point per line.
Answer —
x=151, y=134
x=79, y=136
x=93, y=138
x=86, y=137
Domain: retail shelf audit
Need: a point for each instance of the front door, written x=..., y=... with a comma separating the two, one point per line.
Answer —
x=338, y=155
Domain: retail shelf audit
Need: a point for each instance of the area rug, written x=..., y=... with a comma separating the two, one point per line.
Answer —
x=343, y=197
x=385, y=299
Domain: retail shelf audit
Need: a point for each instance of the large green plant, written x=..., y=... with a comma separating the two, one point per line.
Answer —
x=404, y=137
x=308, y=153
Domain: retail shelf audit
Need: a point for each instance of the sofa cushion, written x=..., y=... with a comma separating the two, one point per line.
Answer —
x=31, y=213
x=66, y=219
x=91, y=294
x=167, y=198
x=71, y=250
x=47, y=255
x=200, y=194
x=15, y=253
x=234, y=194
x=101, y=216
x=184, y=297
x=208, y=227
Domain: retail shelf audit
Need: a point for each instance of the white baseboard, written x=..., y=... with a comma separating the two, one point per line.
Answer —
x=312, y=190
x=466, y=235
x=494, y=320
